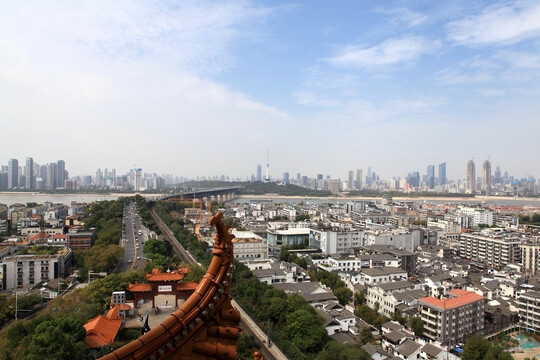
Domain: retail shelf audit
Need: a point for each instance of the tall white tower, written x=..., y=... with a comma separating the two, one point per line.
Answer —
x=267, y=178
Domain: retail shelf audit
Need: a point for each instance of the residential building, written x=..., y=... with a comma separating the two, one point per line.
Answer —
x=334, y=241
x=248, y=245
x=80, y=239
x=21, y=271
x=530, y=257
x=493, y=247
x=378, y=275
x=288, y=212
x=529, y=310
x=452, y=320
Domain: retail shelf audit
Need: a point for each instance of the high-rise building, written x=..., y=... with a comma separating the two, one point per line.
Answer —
x=498, y=176
x=471, y=177
x=430, y=176
x=298, y=177
x=286, y=178
x=52, y=176
x=442, y=173
x=29, y=173
x=334, y=186
x=413, y=179
x=259, y=172
x=359, y=179
x=13, y=173
x=486, y=177
x=61, y=177
x=138, y=179
x=351, y=179
x=320, y=177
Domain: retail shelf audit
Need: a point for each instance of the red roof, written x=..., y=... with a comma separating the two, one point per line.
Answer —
x=59, y=236
x=175, y=275
x=145, y=287
x=463, y=298
x=101, y=331
x=38, y=236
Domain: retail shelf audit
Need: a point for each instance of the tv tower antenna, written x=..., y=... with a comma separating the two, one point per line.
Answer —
x=267, y=179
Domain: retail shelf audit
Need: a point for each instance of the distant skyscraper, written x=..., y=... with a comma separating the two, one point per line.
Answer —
x=471, y=177
x=259, y=172
x=358, y=179
x=52, y=176
x=351, y=180
x=442, y=173
x=498, y=175
x=431, y=176
x=99, y=177
x=320, y=176
x=413, y=179
x=138, y=179
x=61, y=177
x=486, y=177
x=286, y=178
x=298, y=176
x=13, y=173
x=29, y=174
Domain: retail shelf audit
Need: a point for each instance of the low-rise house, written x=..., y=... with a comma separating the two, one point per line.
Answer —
x=380, y=275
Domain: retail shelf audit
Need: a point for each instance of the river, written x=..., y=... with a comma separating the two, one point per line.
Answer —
x=9, y=198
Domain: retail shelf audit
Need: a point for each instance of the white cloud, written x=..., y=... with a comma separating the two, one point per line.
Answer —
x=507, y=22
x=404, y=16
x=390, y=52
x=124, y=79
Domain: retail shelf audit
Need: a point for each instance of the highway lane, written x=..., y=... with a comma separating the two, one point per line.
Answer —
x=134, y=236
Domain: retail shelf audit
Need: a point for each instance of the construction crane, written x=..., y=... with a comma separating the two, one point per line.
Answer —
x=194, y=201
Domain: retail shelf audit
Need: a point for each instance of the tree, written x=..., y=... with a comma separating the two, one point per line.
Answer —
x=365, y=336
x=337, y=351
x=53, y=341
x=417, y=326
x=398, y=316
x=344, y=295
x=247, y=346
x=284, y=253
x=359, y=298
x=476, y=348
x=305, y=331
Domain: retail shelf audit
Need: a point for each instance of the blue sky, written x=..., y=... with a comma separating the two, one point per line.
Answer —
x=204, y=87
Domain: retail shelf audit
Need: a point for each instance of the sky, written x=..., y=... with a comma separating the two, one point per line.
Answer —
x=202, y=88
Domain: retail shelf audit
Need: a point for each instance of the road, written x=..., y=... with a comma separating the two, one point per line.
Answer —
x=134, y=236
x=272, y=352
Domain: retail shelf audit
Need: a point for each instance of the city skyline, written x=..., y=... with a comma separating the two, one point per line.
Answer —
x=394, y=87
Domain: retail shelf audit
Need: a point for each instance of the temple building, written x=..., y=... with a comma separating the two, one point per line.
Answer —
x=163, y=289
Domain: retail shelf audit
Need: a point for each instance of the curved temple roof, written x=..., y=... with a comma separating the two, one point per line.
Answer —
x=206, y=325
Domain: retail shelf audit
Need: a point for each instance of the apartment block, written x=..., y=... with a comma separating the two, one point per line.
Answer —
x=248, y=245
x=529, y=310
x=80, y=239
x=452, y=320
x=22, y=271
x=492, y=247
x=530, y=257
x=334, y=241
